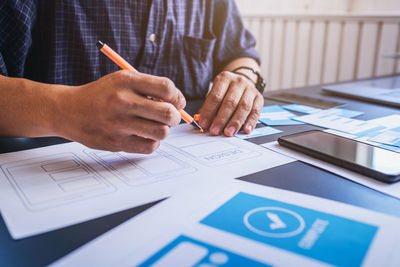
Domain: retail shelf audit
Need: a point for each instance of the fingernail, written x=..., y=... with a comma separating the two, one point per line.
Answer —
x=215, y=130
x=204, y=122
x=249, y=128
x=182, y=103
x=231, y=131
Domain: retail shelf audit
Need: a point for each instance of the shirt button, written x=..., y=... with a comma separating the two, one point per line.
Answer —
x=152, y=37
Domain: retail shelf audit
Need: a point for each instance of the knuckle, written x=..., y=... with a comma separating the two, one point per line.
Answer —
x=236, y=122
x=150, y=147
x=114, y=143
x=124, y=75
x=163, y=132
x=168, y=86
x=245, y=106
x=225, y=74
x=231, y=102
x=120, y=98
x=169, y=114
x=223, y=77
x=133, y=105
x=254, y=117
x=240, y=79
x=256, y=110
x=259, y=99
x=216, y=98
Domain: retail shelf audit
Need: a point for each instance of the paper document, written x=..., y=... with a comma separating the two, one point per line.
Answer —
x=302, y=108
x=390, y=137
x=390, y=189
x=332, y=120
x=53, y=187
x=242, y=224
x=369, y=138
x=276, y=115
x=379, y=132
x=258, y=132
x=347, y=113
x=365, y=131
x=392, y=121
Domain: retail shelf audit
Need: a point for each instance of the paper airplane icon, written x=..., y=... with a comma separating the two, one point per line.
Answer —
x=276, y=221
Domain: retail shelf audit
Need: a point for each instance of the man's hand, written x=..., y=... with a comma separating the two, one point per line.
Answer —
x=232, y=103
x=115, y=113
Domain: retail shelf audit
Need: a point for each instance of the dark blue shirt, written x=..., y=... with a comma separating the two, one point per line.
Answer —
x=54, y=41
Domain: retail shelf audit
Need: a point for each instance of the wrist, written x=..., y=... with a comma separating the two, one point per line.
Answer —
x=248, y=72
x=52, y=101
x=61, y=109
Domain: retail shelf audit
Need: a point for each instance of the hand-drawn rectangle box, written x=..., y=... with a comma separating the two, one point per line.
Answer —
x=51, y=181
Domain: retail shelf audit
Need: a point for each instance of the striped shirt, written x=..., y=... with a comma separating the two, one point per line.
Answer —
x=187, y=41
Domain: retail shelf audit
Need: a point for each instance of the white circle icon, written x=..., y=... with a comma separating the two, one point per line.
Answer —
x=277, y=227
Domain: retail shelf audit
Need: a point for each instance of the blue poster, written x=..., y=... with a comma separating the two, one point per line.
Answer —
x=185, y=252
x=320, y=236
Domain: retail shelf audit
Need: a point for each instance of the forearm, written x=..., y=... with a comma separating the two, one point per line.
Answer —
x=27, y=108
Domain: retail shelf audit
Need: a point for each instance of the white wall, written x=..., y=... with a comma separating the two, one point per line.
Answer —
x=293, y=6
x=385, y=7
x=298, y=51
x=320, y=6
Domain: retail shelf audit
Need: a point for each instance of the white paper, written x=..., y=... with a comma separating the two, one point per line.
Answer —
x=53, y=187
x=141, y=237
x=390, y=189
x=329, y=119
x=391, y=121
x=362, y=130
x=259, y=132
x=365, y=131
x=389, y=137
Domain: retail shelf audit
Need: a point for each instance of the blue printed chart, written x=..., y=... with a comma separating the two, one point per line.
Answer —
x=185, y=252
x=276, y=116
x=317, y=235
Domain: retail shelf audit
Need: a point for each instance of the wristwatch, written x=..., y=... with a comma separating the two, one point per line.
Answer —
x=260, y=84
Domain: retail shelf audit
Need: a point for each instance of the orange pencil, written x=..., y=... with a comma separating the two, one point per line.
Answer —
x=123, y=64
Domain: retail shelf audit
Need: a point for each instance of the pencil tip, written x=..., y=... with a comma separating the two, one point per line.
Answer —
x=198, y=126
x=99, y=44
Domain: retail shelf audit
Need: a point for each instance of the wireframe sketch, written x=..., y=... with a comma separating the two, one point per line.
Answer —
x=135, y=170
x=55, y=180
x=210, y=152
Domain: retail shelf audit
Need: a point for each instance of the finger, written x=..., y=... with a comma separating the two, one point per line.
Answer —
x=136, y=144
x=130, y=104
x=129, y=143
x=242, y=112
x=214, y=99
x=228, y=107
x=254, y=114
x=143, y=128
x=154, y=86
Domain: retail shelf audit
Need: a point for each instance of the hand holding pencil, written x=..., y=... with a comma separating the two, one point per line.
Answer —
x=123, y=64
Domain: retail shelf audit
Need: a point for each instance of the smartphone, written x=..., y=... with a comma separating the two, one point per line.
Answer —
x=372, y=161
